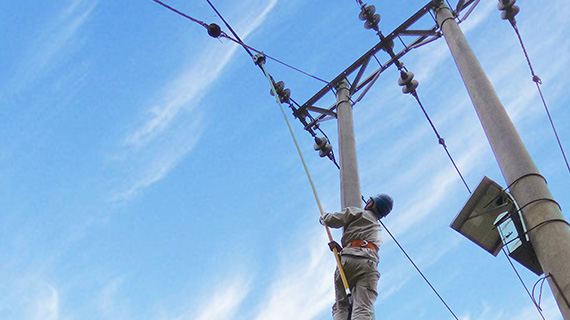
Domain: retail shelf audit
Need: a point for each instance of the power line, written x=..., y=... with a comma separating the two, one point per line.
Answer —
x=441, y=141
x=181, y=13
x=420, y=272
x=509, y=11
x=538, y=82
x=222, y=34
x=405, y=253
x=231, y=30
x=537, y=305
x=409, y=86
x=416, y=267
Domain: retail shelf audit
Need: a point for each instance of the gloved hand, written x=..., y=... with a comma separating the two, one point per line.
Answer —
x=335, y=245
x=322, y=221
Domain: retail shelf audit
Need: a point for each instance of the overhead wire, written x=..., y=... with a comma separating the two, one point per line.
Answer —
x=224, y=35
x=318, y=128
x=537, y=305
x=335, y=252
x=402, y=68
x=203, y=24
x=389, y=49
x=419, y=271
x=260, y=61
x=262, y=67
x=339, y=265
x=441, y=141
x=541, y=280
x=536, y=79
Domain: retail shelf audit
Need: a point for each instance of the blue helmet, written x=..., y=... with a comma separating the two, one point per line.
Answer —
x=381, y=205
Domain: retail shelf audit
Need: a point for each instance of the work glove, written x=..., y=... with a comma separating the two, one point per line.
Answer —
x=334, y=245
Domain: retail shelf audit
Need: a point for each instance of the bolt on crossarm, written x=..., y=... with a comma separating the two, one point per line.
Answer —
x=549, y=233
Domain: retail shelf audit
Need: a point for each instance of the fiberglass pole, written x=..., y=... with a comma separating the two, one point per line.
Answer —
x=349, y=179
x=548, y=231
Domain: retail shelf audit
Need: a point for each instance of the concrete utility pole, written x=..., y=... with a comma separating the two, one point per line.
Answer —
x=549, y=232
x=349, y=179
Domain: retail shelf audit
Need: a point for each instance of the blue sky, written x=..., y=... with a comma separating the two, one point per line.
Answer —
x=148, y=174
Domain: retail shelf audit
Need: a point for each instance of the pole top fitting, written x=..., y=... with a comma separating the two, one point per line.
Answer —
x=259, y=58
x=343, y=84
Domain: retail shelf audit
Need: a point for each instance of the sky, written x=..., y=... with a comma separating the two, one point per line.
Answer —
x=147, y=173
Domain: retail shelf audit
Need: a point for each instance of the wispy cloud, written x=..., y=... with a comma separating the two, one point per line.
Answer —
x=224, y=302
x=173, y=125
x=109, y=300
x=46, y=305
x=303, y=286
x=57, y=41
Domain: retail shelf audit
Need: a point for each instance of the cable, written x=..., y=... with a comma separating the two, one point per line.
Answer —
x=336, y=254
x=418, y=269
x=440, y=139
x=542, y=279
x=249, y=49
x=231, y=30
x=389, y=49
x=224, y=35
x=203, y=24
x=274, y=59
x=522, y=282
x=536, y=80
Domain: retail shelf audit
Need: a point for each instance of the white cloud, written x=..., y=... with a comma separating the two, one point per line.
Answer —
x=58, y=39
x=47, y=303
x=161, y=138
x=221, y=304
x=303, y=286
x=109, y=302
x=154, y=162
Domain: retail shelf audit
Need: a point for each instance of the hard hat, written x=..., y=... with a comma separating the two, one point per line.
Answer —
x=382, y=205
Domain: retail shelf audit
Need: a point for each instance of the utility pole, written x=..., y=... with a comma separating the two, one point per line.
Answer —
x=349, y=179
x=548, y=231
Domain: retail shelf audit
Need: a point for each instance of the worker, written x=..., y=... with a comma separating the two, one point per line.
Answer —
x=361, y=239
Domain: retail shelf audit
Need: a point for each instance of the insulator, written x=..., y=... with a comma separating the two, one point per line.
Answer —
x=285, y=95
x=320, y=142
x=405, y=78
x=510, y=13
x=325, y=151
x=407, y=81
x=373, y=22
x=279, y=86
x=214, y=30
x=505, y=4
x=411, y=87
x=323, y=146
x=367, y=12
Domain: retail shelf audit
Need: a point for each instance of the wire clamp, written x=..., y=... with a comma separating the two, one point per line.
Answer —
x=259, y=59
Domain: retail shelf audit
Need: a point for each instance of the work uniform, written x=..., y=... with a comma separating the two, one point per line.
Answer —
x=361, y=239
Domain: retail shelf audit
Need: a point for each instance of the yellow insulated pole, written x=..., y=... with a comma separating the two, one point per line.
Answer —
x=260, y=62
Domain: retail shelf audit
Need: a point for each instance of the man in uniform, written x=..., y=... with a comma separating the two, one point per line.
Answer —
x=361, y=239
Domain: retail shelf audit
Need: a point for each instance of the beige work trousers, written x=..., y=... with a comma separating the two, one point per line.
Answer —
x=362, y=276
